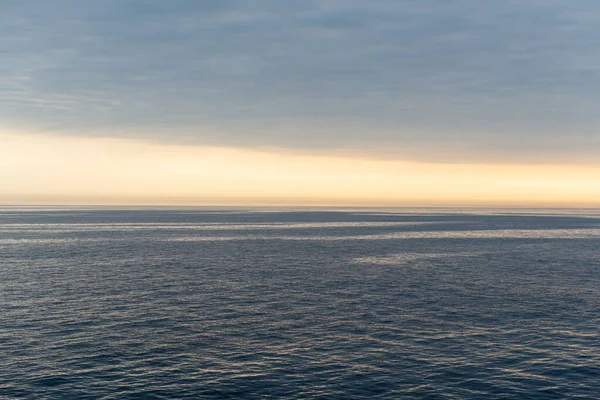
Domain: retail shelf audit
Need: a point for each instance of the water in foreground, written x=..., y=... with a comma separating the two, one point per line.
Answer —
x=194, y=303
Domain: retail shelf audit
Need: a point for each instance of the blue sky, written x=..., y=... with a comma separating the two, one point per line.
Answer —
x=474, y=81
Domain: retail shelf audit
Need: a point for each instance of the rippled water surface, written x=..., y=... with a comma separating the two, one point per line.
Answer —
x=206, y=303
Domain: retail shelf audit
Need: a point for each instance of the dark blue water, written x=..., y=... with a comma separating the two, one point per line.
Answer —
x=194, y=303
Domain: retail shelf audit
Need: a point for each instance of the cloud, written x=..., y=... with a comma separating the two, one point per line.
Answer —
x=444, y=80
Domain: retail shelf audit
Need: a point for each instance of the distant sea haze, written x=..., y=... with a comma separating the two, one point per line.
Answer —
x=194, y=303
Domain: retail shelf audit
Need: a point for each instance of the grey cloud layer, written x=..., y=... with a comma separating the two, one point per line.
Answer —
x=500, y=79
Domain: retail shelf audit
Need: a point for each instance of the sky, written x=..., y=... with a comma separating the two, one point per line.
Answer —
x=378, y=102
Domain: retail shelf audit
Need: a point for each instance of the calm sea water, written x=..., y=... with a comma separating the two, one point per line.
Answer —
x=200, y=303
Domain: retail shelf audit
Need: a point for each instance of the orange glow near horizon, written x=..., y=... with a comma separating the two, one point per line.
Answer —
x=45, y=169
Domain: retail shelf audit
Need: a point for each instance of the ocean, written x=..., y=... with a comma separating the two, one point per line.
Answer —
x=174, y=303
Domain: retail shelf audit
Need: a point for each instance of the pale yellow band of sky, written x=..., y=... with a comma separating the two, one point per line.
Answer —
x=47, y=169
